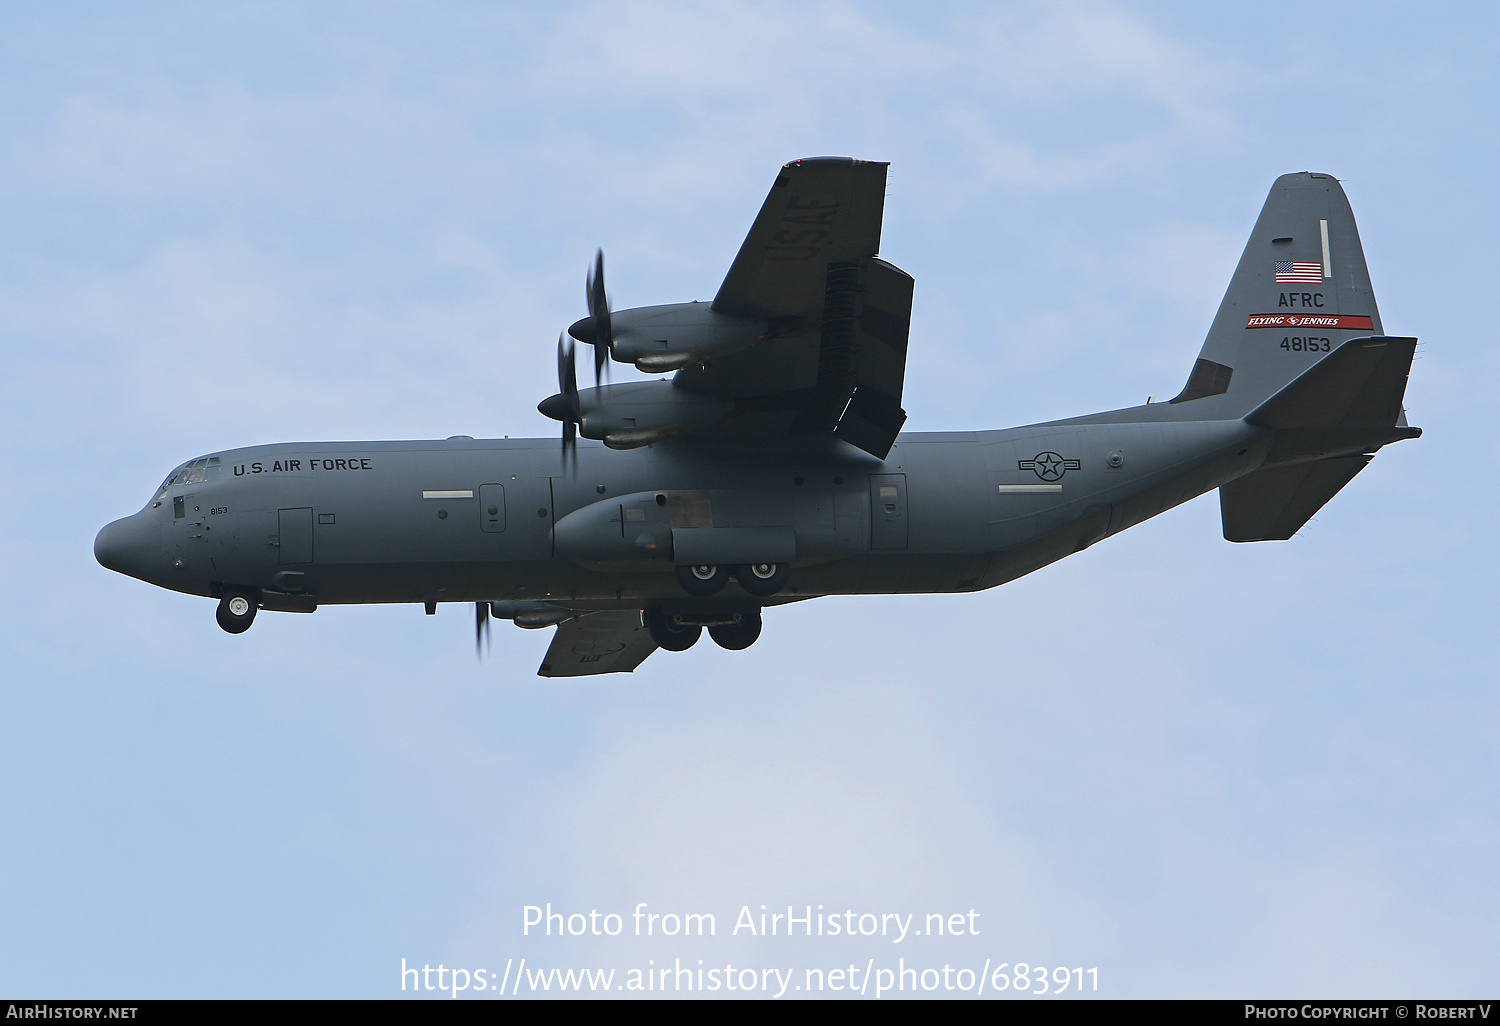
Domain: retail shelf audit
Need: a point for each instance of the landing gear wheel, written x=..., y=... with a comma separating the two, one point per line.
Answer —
x=236, y=612
x=668, y=635
x=702, y=580
x=736, y=636
x=762, y=579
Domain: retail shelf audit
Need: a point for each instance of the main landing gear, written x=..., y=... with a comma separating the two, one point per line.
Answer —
x=762, y=579
x=735, y=636
x=670, y=632
x=759, y=579
x=703, y=580
x=236, y=612
x=679, y=630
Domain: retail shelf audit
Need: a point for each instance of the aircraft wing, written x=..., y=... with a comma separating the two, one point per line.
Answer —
x=821, y=211
x=834, y=360
x=612, y=641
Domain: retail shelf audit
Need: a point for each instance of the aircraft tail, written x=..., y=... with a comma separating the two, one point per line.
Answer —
x=1297, y=347
x=1300, y=291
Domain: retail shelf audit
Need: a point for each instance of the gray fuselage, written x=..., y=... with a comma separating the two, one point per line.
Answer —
x=479, y=519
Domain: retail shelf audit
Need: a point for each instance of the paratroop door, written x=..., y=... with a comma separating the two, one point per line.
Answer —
x=887, y=511
x=296, y=535
x=492, y=508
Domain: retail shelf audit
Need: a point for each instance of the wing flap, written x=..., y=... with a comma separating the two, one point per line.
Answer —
x=612, y=641
x=873, y=416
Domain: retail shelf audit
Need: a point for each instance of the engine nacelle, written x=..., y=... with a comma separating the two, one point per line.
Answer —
x=664, y=338
x=637, y=413
x=531, y=615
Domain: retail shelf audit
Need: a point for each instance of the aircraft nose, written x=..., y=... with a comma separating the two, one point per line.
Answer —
x=128, y=546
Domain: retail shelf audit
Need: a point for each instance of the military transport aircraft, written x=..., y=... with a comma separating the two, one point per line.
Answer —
x=772, y=467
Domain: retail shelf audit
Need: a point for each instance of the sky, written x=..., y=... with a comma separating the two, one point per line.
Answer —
x=1202, y=769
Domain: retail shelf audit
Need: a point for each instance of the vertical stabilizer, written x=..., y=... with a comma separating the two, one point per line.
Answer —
x=1300, y=291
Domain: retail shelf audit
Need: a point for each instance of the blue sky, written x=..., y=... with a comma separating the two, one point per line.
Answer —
x=1207, y=769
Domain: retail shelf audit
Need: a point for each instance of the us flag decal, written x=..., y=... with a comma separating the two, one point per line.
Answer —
x=1292, y=271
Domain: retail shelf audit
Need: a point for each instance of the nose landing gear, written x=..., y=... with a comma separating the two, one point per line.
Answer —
x=236, y=612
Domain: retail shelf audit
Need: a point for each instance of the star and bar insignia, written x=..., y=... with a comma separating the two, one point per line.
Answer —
x=1049, y=466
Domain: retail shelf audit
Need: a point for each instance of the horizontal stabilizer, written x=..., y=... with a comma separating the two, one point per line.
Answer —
x=1360, y=384
x=1349, y=402
x=1328, y=422
x=1273, y=504
x=612, y=641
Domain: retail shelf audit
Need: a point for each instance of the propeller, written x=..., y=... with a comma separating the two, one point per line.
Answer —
x=565, y=406
x=481, y=629
x=604, y=335
x=596, y=329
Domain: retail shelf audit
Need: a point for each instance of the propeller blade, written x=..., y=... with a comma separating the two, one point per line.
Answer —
x=598, y=303
x=567, y=387
x=481, y=628
x=567, y=374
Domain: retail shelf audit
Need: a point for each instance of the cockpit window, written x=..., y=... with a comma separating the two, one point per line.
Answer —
x=205, y=468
